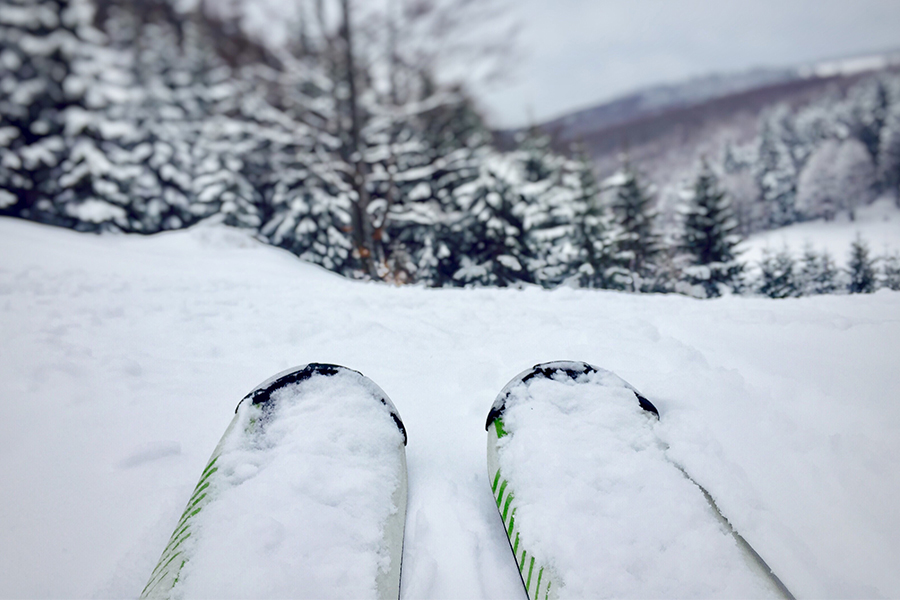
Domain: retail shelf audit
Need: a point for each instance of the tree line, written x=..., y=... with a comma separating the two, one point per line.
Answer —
x=345, y=146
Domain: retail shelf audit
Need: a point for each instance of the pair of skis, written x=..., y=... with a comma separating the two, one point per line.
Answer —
x=305, y=496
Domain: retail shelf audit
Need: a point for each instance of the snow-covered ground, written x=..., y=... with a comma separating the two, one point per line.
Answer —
x=122, y=359
x=878, y=224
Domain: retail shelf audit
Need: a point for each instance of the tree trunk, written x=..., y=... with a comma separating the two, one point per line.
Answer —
x=361, y=221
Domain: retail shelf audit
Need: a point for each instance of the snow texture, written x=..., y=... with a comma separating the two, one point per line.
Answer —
x=121, y=346
x=600, y=503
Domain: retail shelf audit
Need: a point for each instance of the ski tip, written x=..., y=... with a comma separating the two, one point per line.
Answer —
x=263, y=392
x=573, y=369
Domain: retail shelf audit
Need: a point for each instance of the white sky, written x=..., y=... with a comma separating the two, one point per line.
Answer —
x=580, y=52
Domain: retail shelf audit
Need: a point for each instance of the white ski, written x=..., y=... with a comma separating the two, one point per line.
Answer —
x=592, y=506
x=304, y=497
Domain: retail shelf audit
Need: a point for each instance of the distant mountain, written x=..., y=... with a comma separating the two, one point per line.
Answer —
x=662, y=98
x=666, y=129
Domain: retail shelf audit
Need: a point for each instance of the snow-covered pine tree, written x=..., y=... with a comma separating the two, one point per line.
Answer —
x=41, y=41
x=636, y=245
x=593, y=230
x=487, y=244
x=550, y=189
x=777, y=274
x=868, y=103
x=818, y=273
x=838, y=177
x=737, y=178
x=861, y=268
x=890, y=271
x=776, y=170
x=709, y=240
x=889, y=153
x=441, y=146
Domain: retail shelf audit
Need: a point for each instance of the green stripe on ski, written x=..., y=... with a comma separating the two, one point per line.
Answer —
x=500, y=494
x=506, y=506
x=168, y=568
x=537, y=583
x=530, y=569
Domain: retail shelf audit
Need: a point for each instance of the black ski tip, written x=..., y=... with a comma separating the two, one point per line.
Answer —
x=263, y=393
x=646, y=404
x=570, y=368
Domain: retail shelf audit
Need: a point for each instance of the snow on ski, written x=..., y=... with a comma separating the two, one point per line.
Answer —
x=304, y=497
x=593, y=507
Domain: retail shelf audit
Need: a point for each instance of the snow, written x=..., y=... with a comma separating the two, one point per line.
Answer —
x=93, y=210
x=122, y=359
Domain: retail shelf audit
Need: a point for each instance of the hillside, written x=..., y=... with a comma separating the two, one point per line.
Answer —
x=878, y=225
x=666, y=130
x=123, y=357
x=648, y=121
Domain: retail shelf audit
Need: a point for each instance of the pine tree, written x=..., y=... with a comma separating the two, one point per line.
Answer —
x=593, y=232
x=868, y=107
x=637, y=245
x=890, y=272
x=42, y=42
x=889, y=153
x=550, y=189
x=776, y=170
x=444, y=151
x=778, y=279
x=818, y=273
x=861, y=268
x=486, y=242
x=709, y=239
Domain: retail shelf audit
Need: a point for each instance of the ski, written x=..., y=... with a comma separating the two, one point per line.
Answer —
x=592, y=506
x=304, y=496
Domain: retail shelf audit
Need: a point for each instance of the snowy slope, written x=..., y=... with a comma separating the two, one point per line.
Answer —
x=122, y=359
x=878, y=224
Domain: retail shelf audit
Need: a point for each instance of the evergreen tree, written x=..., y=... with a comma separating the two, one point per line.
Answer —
x=861, y=268
x=889, y=153
x=593, y=232
x=778, y=278
x=890, y=272
x=42, y=41
x=637, y=246
x=869, y=103
x=709, y=240
x=487, y=244
x=776, y=170
x=818, y=273
x=550, y=189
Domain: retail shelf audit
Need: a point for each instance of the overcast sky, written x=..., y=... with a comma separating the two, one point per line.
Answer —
x=580, y=52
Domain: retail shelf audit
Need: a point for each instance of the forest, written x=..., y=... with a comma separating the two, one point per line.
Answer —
x=349, y=146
